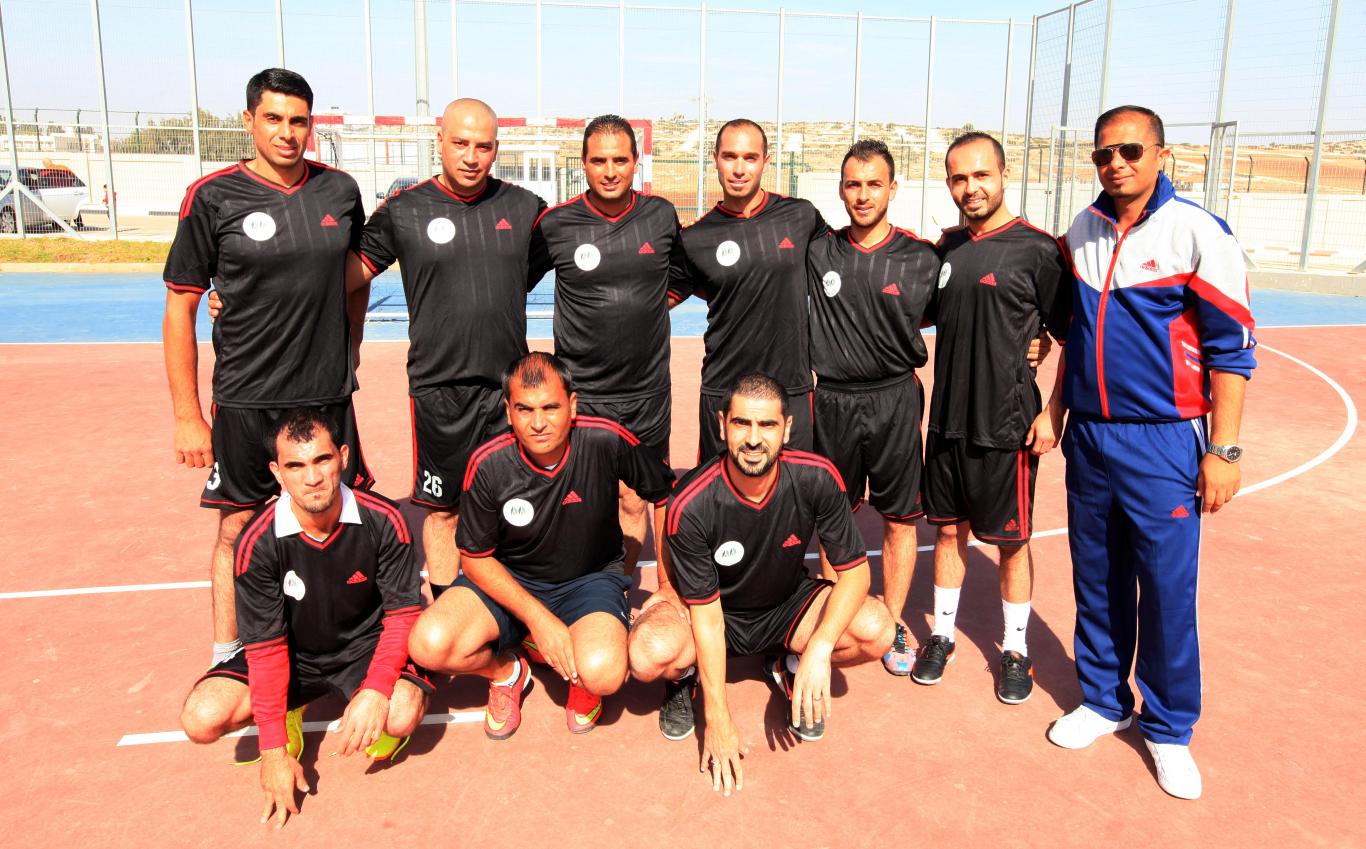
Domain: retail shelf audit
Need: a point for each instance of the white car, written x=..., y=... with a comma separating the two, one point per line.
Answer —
x=60, y=190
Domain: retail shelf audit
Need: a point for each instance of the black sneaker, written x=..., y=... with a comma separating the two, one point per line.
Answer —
x=676, y=720
x=777, y=670
x=931, y=660
x=1017, y=678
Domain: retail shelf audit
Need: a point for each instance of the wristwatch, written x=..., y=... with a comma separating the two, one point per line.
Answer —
x=1227, y=453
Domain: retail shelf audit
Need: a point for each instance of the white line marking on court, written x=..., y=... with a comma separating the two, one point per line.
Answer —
x=460, y=717
x=120, y=588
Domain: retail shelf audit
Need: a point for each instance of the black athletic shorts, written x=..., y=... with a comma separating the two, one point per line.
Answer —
x=710, y=442
x=596, y=592
x=449, y=423
x=989, y=488
x=308, y=681
x=648, y=418
x=767, y=631
x=871, y=432
x=240, y=477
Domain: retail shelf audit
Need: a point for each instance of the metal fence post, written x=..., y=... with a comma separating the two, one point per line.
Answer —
x=858, y=68
x=1005, y=92
x=621, y=57
x=1105, y=56
x=104, y=117
x=1312, y=189
x=540, y=112
x=1062, y=119
x=1029, y=116
x=782, y=30
x=370, y=89
x=929, y=104
x=13, y=185
x=701, y=106
x=280, y=32
x=455, y=55
x=194, y=92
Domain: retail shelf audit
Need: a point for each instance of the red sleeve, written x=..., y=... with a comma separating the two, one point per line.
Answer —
x=268, y=680
x=391, y=655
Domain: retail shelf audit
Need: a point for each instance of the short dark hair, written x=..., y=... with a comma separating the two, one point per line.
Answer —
x=969, y=138
x=1154, y=121
x=756, y=385
x=531, y=368
x=300, y=424
x=609, y=124
x=740, y=122
x=864, y=150
x=277, y=80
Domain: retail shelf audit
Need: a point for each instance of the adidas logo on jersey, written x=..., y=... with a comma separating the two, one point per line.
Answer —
x=356, y=578
x=329, y=221
x=1150, y=265
x=892, y=289
x=646, y=249
x=1012, y=526
x=786, y=243
x=502, y=224
x=791, y=541
x=571, y=498
x=1180, y=512
x=990, y=279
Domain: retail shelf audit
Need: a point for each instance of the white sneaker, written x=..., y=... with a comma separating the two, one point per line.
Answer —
x=1082, y=727
x=1176, y=769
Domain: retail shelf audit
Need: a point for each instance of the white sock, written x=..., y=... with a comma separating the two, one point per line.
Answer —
x=793, y=661
x=945, y=610
x=1017, y=619
x=516, y=673
x=225, y=651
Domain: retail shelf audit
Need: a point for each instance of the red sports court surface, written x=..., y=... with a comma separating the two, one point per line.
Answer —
x=92, y=499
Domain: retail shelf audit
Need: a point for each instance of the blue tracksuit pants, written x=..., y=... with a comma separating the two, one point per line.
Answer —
x=1134, y=527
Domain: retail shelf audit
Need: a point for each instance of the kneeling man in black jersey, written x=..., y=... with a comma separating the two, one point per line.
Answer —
x=326, y=592
x=738, y=528
x=541, y=552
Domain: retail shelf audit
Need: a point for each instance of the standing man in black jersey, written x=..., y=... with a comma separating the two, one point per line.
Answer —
x=541, y=552
x=747, y=260
x=1001, y=282
x=618, y=262
x=462, y=240
x=871, y=284
x=272, y=234
x=738, y=529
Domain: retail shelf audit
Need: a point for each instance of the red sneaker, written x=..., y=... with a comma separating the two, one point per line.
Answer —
x=533, y=652
x=581, y=710
x=503, y=715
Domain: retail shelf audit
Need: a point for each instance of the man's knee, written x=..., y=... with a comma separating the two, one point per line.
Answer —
x=601, y=668
x=441, y=639
x=658, y=640
x=230, y=525
x=406, y=708
x=442, y=520
x=205, y=717
x=872, y=629
x=947, y=533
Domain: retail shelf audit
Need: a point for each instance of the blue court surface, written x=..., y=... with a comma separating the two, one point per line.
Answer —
x=46, y=307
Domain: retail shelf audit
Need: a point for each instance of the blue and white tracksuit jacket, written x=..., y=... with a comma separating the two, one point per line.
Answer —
x=1157, y=307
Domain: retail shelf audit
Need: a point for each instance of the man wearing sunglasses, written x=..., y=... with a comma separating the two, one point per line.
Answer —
x=1157, y=360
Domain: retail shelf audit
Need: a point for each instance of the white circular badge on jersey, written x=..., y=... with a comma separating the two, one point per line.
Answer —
x=944, y=273
x=728, y=253
x=258, y=226
x=831, y=283
x=587, y=257
x=440, y=230
x=518, y=511
x=729, y=553
x=294, y=586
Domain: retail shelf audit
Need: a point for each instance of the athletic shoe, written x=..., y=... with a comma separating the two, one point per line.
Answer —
x=777, y=670
x=897, y=660
x=676, y=721
x=1082, y=727
x=931, y=660
x=294, y=734
x=1176, y=769
x=386, y=747
x=581, y=710
x=503, y=715
x=1017, y=678
x=532, y=652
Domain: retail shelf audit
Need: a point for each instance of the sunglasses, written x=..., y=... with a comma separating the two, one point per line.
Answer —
x=1131, y=151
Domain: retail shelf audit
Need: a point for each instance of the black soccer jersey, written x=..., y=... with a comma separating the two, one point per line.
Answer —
x=555, y=525
x=752, y=556
x=278, y=256
x=612, y=279
x=994, y=292
x=751, y=271
x=466, y=272
x=867, y=305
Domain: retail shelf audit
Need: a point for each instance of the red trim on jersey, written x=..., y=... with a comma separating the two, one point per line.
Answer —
x=268, y=683
x=805, y=458
x=708, y=600
x=1170, y=280
x=391, y=654
x=607, y=424
x=412, y=427
x=550, y=473
x=849, y=233
x=390, y=511
x=851, y=564
x=284, y=190
x=911, y=233
x=1100, y=319
x=195, y=186
x=725, y=475
x=801, y=614
x=1039, y=230
x=482, y=453
x=436, y=181
x=556, y=206
x=477, y=554
x=250, y=534
x=321, y=546
x=912, y=517
x=763, y=203
x=1224, y=303
x=690, y=491
x=374, y=269
x=1188, y=384
x=988, y=234
x=187, y=287
x=614, y=219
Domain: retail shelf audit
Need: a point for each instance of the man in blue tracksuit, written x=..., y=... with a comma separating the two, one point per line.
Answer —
x=1157, y=359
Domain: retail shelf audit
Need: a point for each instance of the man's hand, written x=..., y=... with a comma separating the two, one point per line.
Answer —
x=215, y=305
x=1039, y=347
x=363, y=720
x=552, y=638
x=1043, y=433
x=281, y=775
x=668, y=595
x=721, y=751
x=193, y=443
x=1218, y=482
x=811, y=686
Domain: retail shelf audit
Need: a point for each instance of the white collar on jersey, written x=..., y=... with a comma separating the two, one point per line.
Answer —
x=287, y=524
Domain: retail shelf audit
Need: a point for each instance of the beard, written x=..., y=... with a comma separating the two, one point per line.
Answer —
x=993, y=203
x=754, y=471
x=315, y=507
